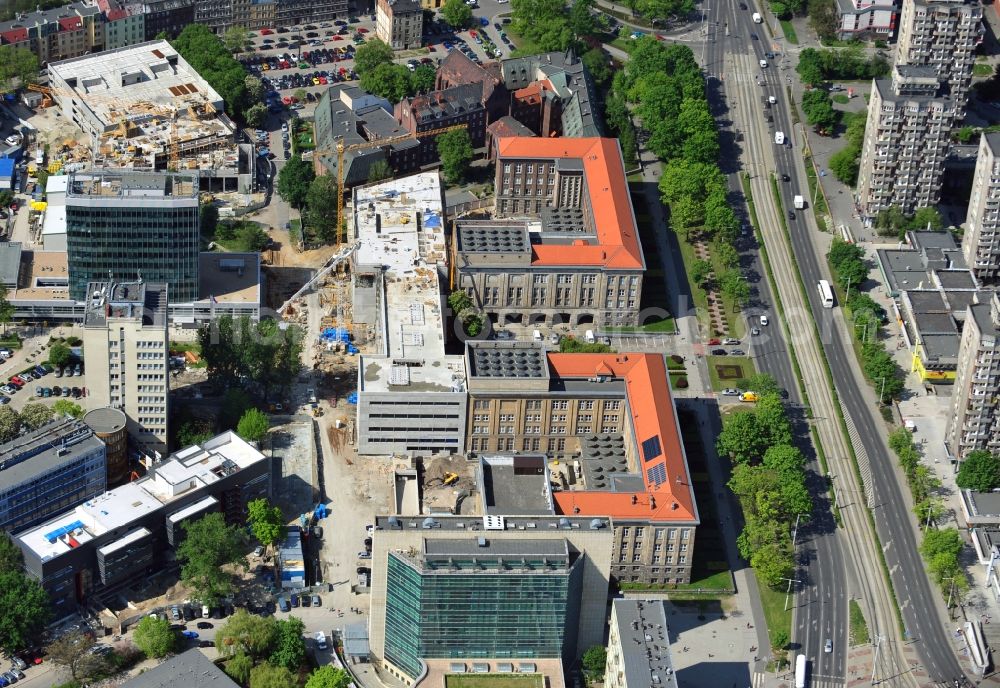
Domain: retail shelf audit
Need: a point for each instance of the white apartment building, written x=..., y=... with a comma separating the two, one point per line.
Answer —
x=981, y=242
x=126, y=352
x=973, y=422
x=866, y=17
x=906, y=142
x=910, y=118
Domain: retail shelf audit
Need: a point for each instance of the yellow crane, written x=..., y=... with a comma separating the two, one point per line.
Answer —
x=341, y=149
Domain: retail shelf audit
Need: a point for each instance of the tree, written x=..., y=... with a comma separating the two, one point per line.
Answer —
x=294, y=180
x=328, y=677
x=11, y=558
x=321, y=204
x=890, y=221
x=253, y=425
x=455, y=150
x=810, y=68
x=236, y=39
x=18, y=66
x=378, y=171
x=242, y=352
x=773, y=563
x=269, y=676
x=927, y=218
x=65, y=407
x=762, y=383
x=595, y=660
x=685, y=215
x=208, y=55
x=845, y=164
x=250, y=237
x=235, y=403
x=741, y=438
x=210, y=544
x=34, y=416
x=193, y=431
x=10, y=424
x=824, y=18
x=701, y=270
x=59, y=354
x=582, y=20
x=209, y=218
x=290, y=650
x=256, y=115
x=597, y=64
x=735, y=287
x=239, y=667
x=423, y=77
x=155, y=637
x=255, y=88
x=72, y=652
x=6, y=308
x=372, y=54
x=266, y=522
x=726, y=254
x=24, y=605
x=979, y=471
x=456, y=13
x=248, y=634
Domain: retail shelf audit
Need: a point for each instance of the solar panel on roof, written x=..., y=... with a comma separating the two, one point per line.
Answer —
x=651, y=448
x=657, y=474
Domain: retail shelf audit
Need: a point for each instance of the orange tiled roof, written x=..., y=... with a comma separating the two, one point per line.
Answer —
x=669, y=495
x=617, y=236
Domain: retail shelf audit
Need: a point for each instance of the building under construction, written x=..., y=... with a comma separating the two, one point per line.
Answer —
x=146, y=108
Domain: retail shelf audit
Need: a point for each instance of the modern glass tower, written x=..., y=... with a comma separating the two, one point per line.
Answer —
x=125, y=226
x=482, y=598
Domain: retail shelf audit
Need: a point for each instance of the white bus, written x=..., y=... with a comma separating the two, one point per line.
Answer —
x=800, y=671
x=826, y=294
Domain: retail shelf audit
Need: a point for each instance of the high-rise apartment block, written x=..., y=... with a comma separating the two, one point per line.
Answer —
x=562, y=246
x=124, y=225
x=400, y=23
x=974, y=422
x=910, y=117
x=48, y=471
x=981, y=242
x=126, y=352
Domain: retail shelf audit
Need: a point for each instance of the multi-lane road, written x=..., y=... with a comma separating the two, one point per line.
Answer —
x=731, y=61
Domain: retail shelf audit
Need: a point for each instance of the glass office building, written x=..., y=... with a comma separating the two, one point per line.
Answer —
x=476, y=598
x=126, y=226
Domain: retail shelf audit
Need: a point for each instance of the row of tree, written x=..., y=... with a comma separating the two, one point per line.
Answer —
x=846, y=162
x=33, y=416
x=254, y=356
x=921, y=479
x=209, y=56
x=547, y=26
x=893, y=222
x=373, y=61
x=769, y=478
x=850, y=270
x=817, y=65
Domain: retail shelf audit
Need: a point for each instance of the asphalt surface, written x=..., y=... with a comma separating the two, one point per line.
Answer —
x=821, y=592
x=892, y=517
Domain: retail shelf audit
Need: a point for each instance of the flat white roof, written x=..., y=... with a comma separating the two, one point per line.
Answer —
x=386, y=220
x=55, y=186
x=55, y=220
x=193, y=509
x=181, y=472
x=135, y=535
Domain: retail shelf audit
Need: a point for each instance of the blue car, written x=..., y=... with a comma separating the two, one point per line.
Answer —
x=447, y=45
x=189, y=634
x=40, y=370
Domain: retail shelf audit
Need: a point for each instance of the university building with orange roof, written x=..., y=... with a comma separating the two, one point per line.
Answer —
x=562, y=246
x=610, y=423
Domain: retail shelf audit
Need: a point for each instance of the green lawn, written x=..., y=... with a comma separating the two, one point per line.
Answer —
x=789, y=31
x=841, y=99
x=859, y=629
x=982, y=69
x=663, y=325
x=720, y=383
x=623, y=44
x=493, y=681
x=777, y=618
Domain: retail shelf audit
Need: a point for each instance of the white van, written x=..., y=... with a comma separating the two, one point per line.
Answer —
x=536, y=335
x=320, y=640
x=205, y=611
x=779, y=138
x=589, y=336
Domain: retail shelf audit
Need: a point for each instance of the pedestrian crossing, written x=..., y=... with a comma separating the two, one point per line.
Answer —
x=862, y=455
x=761, y=679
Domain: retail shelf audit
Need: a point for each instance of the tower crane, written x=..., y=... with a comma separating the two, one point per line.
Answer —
x=341, y=150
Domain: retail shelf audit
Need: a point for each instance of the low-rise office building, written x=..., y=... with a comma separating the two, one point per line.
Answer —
x=610, y=420
x=47, y=471
x=867, y=18
x=563, y=246
x=191, y=669
x=411, y=393
x=639, y=646
x=448, y=588
x=120, y=536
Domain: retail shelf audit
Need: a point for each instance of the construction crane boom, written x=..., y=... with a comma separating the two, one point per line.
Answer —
x=341, y=149
x=336, y=260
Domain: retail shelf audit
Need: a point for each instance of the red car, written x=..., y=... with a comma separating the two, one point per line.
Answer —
x=472, y=33
x=13, y=206
x=362, y=30
x=337, y=38
x=266, y=32
x=714, y=341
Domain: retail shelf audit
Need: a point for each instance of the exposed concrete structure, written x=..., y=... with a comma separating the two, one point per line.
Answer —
x=411, y=394
x=126, y=351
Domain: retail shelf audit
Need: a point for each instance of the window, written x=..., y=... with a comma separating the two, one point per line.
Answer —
x=560, y=404
x=656, y=558
x=636, y=558
x=613, y=405
x=624, y=532
x=586, y=405
x=682, y=559
x=657, y=547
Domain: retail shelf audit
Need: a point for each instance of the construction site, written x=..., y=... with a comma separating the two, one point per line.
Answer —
x=144, y=107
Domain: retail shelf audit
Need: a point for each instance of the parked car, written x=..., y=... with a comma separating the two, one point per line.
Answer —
x=730, y=392
x=204, y=624
x=295, y=600
x=316, y=601
x=719, y=352
x=191, y=635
